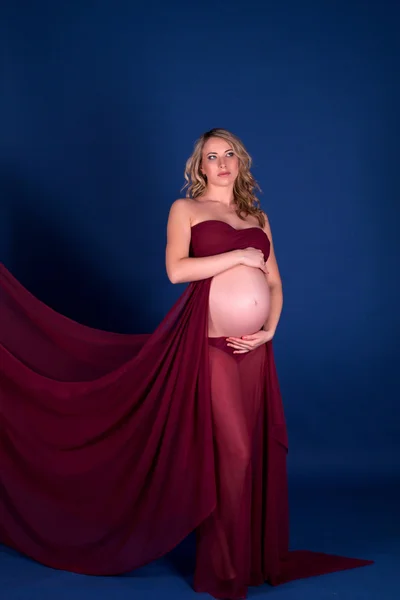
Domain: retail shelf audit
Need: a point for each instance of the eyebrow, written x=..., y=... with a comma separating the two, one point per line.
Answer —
x=229, y=150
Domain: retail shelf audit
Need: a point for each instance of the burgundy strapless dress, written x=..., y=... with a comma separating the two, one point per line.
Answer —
x=115, y=447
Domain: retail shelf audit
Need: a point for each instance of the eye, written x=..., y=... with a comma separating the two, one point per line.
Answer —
x=230, y=153
x=211, y=156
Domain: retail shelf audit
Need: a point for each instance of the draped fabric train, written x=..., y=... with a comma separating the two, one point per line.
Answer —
x=115, y=447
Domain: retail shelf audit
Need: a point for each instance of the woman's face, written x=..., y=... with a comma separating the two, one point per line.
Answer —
x=219, y=162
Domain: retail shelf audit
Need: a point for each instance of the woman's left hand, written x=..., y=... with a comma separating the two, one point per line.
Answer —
x=249, y=342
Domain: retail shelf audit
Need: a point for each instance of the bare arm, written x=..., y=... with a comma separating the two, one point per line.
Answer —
x=275, y=284
x=180, y=267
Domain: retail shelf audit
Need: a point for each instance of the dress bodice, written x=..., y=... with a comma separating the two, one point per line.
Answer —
x=215, y=237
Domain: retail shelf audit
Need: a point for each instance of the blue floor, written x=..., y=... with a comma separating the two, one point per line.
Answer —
x=353, y=518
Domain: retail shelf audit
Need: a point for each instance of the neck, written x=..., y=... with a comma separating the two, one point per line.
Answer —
x=222, y=195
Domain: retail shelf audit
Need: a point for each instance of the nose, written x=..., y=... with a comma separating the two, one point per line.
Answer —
x=221, y=161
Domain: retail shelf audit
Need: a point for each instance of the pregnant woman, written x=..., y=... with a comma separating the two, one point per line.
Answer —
x=115, y=447
x=232, y=243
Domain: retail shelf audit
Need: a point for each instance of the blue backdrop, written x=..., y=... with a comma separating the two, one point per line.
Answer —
x=100, y=105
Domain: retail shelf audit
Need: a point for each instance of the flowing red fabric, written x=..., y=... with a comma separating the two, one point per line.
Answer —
x=115, y=447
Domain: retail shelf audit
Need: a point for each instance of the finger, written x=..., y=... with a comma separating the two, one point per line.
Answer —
x=238, y=346
x=240, y=351
x=232, y=340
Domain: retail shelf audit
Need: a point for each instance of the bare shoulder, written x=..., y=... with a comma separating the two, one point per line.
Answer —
x=267, y=226
x=181, y=209
x=182, y=202
x=180, y=221
x=178, y=233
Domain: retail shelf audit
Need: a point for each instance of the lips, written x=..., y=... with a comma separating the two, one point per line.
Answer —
x=224, y=173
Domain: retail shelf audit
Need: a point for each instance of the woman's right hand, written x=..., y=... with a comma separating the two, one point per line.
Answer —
x=252, y=257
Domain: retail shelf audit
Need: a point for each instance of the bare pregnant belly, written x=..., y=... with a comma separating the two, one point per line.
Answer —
x=239, y=302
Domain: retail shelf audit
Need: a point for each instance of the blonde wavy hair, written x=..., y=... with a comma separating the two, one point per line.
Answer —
x=245, y=185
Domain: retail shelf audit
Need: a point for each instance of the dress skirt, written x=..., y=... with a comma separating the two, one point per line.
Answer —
x=230, y=540
x=115, y=447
